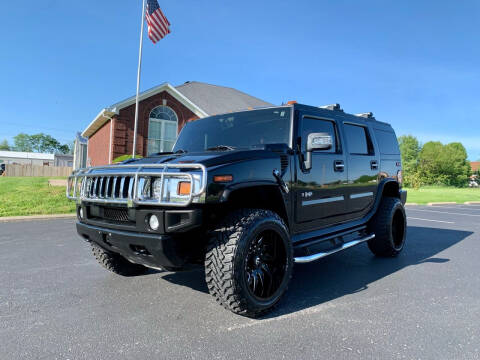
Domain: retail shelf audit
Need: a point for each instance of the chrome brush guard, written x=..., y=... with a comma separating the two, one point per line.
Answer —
x=125, y=184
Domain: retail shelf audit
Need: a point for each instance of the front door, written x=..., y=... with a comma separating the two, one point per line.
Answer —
x=319, y=192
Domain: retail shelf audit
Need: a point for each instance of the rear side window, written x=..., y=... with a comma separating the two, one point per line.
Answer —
x=313, y=125
x=387, y=142
x=358, y=140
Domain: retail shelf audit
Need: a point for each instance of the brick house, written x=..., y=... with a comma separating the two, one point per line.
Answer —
x=163, y=111
x=475, y=168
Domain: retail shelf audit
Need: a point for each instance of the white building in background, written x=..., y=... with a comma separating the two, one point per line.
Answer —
x=26, y=158
x=29, y=158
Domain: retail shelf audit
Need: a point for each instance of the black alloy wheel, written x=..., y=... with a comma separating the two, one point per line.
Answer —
x=390, y=228
x=265, y=265
x=249, y=261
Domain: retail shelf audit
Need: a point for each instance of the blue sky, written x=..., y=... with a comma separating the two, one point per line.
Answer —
x=415, y=64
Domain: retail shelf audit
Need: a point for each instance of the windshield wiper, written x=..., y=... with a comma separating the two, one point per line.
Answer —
x=221, y=148
x=180, y=151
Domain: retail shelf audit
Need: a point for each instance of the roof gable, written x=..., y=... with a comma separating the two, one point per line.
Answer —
x=200, y=98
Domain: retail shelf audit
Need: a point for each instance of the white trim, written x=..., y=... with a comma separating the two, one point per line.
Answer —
x=114, y=109
x=99, y=120
x=323, y=201
x=162, y=122
x=360, y=195
x=110, y=151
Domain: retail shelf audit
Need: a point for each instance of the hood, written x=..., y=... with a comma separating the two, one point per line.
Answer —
x=214, y=158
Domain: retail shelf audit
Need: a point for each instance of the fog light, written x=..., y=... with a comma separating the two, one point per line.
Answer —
x=80, y=213
x=153, y=222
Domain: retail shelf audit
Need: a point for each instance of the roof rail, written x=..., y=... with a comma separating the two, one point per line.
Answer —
x=335, y=107
x=367, y=115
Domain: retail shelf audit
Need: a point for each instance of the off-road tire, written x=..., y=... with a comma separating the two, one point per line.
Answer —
x=116, y=263
x=390, y=228
x=226, y=258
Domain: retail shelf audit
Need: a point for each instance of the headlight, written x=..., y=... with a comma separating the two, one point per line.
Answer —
x=171, y=188
x=175, y=189
x=156, y=188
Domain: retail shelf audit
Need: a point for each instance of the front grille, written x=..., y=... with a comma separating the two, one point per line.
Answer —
x=120, y=215
x=109, y=187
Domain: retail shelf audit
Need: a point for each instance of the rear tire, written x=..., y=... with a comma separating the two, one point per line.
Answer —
x=116, y=263
x=390, y=228
x=249, y=261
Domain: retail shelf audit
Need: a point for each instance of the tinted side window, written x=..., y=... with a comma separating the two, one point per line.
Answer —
x=357, y=139
x=312, y=125
x=387, y=142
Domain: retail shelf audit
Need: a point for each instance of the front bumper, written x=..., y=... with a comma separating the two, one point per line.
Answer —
x=403, y=196
x=152, y=250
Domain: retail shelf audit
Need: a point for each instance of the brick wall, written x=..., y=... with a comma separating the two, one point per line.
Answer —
x=124, y=124
x=98, y=143
x=98, y=146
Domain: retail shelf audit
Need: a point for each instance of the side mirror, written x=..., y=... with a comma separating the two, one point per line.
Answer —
x=317, y=141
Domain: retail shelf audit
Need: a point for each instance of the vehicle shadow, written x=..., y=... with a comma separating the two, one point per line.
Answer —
x=346, y=272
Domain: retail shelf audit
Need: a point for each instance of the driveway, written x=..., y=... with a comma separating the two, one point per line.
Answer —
x=56, y=302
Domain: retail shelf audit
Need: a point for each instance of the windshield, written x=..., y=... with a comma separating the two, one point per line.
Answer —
x=237, y=130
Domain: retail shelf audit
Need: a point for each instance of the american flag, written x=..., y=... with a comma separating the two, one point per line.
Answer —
x=156, y=21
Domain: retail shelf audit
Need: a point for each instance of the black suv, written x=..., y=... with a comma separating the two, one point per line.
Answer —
x=246, y=195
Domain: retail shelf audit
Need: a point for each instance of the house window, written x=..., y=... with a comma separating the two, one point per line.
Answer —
x=162, y=130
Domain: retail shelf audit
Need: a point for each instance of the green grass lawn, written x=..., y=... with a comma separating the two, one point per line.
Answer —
x=32, y=196
x=442, y=194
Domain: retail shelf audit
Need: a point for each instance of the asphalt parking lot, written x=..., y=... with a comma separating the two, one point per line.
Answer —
x=56, y=302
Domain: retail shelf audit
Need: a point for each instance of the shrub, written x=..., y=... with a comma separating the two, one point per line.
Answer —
x=125, y=157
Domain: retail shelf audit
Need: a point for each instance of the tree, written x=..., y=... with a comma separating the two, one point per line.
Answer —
x=443, y=164
x=22, y=142
x=409, y=149
x=457, y=165
x=4, y=145
x=39, y=143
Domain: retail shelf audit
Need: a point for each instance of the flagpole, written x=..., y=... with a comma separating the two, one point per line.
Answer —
x=138, y=82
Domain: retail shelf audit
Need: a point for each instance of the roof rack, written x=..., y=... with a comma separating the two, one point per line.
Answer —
x=334, y=107
x=367, y=115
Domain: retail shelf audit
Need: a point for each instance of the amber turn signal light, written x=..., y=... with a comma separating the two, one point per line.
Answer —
x=222, y=178
x=184, y=188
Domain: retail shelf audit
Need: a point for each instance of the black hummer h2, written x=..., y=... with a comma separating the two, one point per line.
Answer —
x=246, y=195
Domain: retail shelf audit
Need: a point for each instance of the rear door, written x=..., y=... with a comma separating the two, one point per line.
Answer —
x=320, y=191
x=363, y=168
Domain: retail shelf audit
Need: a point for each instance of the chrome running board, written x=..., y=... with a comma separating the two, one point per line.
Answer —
x=309, y=258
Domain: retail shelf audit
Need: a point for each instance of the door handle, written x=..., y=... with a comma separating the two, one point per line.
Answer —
x=338, y=165
x=374, y=164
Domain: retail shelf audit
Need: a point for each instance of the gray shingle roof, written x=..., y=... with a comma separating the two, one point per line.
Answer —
x=214, y=99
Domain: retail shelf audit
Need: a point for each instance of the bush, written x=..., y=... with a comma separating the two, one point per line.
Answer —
x=125, y=157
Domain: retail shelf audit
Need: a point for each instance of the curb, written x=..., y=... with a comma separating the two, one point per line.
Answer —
x=442, y=203
x=37, y=217
x=472, y=203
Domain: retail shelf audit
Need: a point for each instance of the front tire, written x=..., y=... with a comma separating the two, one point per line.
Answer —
x=249, y=261
x=390, y=228
x=116, y=263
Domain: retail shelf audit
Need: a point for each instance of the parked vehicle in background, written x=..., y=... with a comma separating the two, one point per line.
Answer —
x=2, y=169
x=246, y=195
